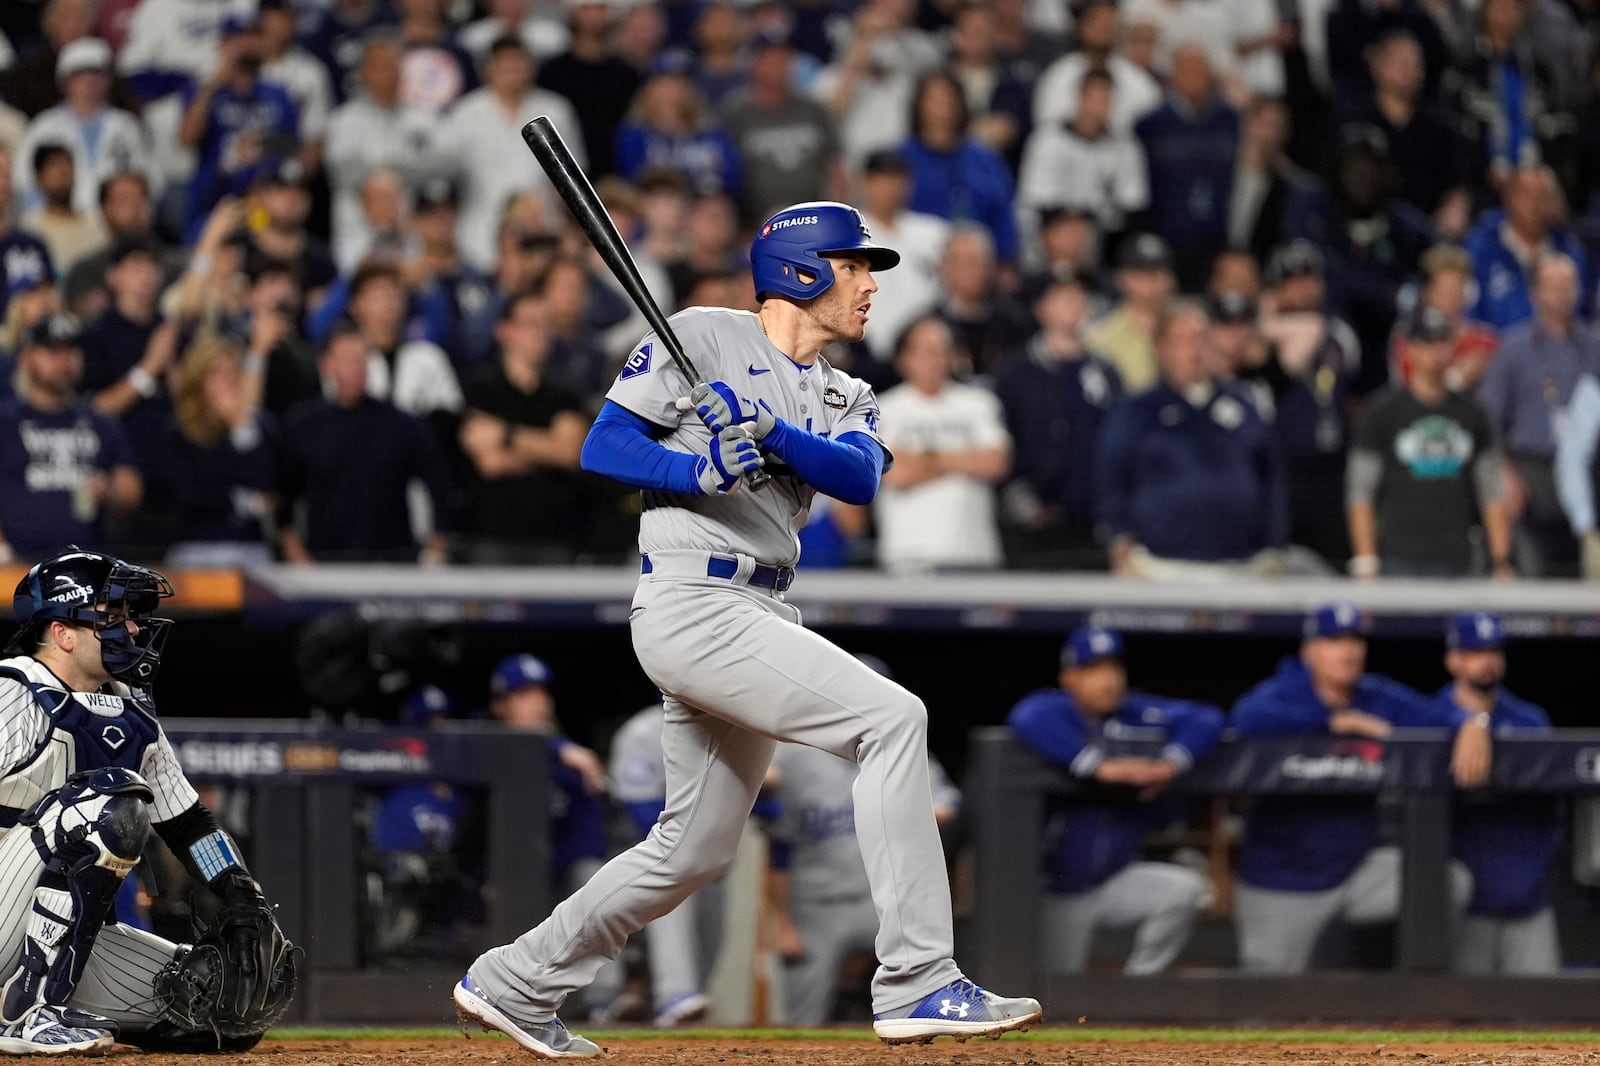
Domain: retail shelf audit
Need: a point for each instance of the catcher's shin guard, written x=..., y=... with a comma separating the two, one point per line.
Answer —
x=89, y=833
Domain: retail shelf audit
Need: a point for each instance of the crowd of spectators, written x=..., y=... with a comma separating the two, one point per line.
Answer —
x=1190, y=288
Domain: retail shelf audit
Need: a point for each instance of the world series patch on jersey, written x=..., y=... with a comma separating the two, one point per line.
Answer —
x=730, y=346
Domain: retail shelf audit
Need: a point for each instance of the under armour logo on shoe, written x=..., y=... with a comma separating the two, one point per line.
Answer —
x=949, y=1007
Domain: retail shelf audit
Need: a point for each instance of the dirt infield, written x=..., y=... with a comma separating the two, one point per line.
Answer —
x=1009, y=1052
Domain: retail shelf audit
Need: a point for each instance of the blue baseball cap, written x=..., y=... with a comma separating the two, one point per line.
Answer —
x=1090, y=644
x=426, y=705
x=516, y=673
x=1476, y=631
x=1338, y=619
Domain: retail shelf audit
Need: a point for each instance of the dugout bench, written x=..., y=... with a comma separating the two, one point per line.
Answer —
x=304, y=782
x=1007, y=788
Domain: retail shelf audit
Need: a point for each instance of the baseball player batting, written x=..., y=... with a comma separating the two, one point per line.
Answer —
x=737, y=670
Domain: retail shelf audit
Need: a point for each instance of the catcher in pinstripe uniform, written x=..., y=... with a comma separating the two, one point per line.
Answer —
x=86, y=773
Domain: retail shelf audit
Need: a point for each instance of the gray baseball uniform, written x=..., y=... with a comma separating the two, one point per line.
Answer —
x=830, y=897
x=682, y=945
x=739, y=672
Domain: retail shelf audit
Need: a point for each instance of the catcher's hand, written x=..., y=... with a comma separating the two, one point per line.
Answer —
x=253, y=947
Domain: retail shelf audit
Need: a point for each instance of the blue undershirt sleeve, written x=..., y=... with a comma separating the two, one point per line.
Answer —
x=622, y=446
x=848, y=469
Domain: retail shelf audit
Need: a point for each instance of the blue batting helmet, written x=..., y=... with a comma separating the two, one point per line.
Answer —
x=797, y=240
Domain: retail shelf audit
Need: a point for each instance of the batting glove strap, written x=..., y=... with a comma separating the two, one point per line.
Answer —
x=718, y=406
x=733, y=454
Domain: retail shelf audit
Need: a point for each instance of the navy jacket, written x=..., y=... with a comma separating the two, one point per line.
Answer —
x=1191, y=157
x=1508, y=842
x=1095, y=835
x=1192, y=483
x=1312, y=843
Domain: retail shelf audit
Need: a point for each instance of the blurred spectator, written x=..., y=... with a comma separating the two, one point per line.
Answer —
x=1578, y=474
x=788, y=151
x=292, y=67
x=68, y=232
x=520, y=699
x=22, y=255
x=125, y=367
x=1305, y=861
x=998, y=94
x=275, y=347
x=30, y=298
x=221, y=442
x=383, y=221
x=1126, y=336
x=1096, y=833
x=913, y=288
x=681, y=945
x=415, y=375
x=1424, y=472
x=1201, y=24
x=1431, y=158
x=236, y=123
x=1509, y=842
x=590, y=70
x=1506, y=93
x=436, y=71
x=103, y=140
x=345, y=467
x=987, y=322
x=522, y=435
x=867, y=89
x=525, y=252
x=1055, y=394
x=1505, y=241
x=1235, y=270
x=1372, y=241
x=64, y=467
x=1446, y=285
x=482, y=136
x=277, y=213
x=1353, y=26
x=435, y=267
x=663, y=218
x=954, y=175
x=720, y=62
x=936, y=508
x=1310, y=368
x=635, y=42
x=670, y=127
x=713, y=242
x=373, y=129
x=1083, y=164
x=1190, y=143
x=334, y=33
x=580, y=310
x=32, y=84
x=1187, y=471
x=1265, y=180
x=1526, y=393
x=543, y=32
x=1137, y=92
x=1069, y=247
x=125, y=211
x=1236, y=351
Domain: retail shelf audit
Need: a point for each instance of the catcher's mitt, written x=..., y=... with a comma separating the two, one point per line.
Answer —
x=239, y=977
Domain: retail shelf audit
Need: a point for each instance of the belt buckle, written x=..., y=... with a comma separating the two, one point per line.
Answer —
x=783, y=579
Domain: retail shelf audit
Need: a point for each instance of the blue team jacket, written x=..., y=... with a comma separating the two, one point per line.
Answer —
x=1095, y=835
x=1312, y=843
x=1508, y=842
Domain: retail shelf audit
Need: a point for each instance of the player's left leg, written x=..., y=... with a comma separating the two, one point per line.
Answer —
x=1163, y=900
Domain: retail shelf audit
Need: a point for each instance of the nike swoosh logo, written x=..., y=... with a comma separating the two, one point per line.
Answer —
x=754, y=371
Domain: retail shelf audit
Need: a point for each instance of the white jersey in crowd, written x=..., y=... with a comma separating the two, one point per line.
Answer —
x=949, y=520
x=308, y=85
x=38, y=750
x=363, y=136
x=419, y=381
x=731, y=346
x=1105, y=176
x=911, y=289
x=485, y=144
x=1055, y=96
x=118, y=145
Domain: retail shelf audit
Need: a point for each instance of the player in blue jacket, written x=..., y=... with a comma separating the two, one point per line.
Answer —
x=1306, y=860
x=1091, y=725
x=1508, y=842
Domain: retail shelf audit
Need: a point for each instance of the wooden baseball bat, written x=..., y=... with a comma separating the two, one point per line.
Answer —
x=573, y=184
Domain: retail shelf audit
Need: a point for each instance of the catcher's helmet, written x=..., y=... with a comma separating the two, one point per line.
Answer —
x=797, y=239
x=83, y=588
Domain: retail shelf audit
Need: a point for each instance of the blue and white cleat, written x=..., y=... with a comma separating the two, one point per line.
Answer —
x=960, y=1009
x=48, y=1030
x=550, y=1039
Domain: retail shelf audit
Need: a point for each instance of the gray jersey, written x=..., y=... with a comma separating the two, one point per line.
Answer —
x=730, y=346
x=817, y=821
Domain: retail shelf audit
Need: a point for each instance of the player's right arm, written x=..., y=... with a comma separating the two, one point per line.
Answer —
x=626, y=448
x=1268, y=709
x=1044, y=723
